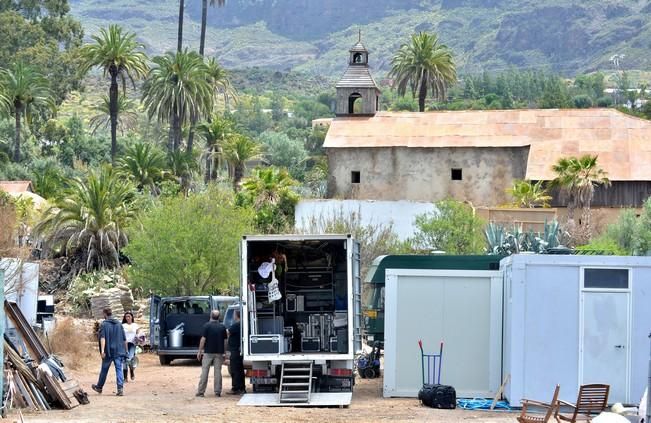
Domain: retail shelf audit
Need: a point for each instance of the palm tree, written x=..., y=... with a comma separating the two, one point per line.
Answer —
x=127, y=117
x=267, y=185
x=421, y=65
x=25, y=88
x=238, y=150
x=179, y=37
x=182, y=167
x=87, y=225
x=219, y=79
x=118, y=54
x=528, y=194
x=145, y=165
x=178, y=91
x=215, y=133
x=4, y=102
x=204, y=17
x=577, y=178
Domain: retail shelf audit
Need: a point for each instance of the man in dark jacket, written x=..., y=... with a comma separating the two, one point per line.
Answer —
x=113, y=349
x=211, y=353
x=236, y=360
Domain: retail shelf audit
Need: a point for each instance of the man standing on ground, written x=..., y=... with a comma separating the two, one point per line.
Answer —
x=237, y=361
x=112, y=349
x=212, y=341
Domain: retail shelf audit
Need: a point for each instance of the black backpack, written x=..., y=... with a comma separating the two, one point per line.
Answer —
x=438, y=396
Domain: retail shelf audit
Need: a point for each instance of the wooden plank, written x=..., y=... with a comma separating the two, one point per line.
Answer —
x=34, y=345
x=55, y=391
x=24, y=391
x=498, y=395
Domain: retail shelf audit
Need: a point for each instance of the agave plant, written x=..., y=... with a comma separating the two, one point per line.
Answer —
x=499, y=241
x=87, y=224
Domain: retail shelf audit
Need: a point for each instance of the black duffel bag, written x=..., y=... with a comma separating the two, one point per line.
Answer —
x=438, y=396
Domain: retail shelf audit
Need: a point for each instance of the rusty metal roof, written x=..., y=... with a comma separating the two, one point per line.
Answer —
x=16, y=186
x=622, y=142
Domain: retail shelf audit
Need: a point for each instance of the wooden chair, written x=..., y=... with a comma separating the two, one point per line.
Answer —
x=592, y=399
x=539, y=418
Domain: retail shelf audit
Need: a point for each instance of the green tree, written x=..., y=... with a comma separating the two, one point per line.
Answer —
x=127, y=115
x=421, y=65
x=47, y=178
x=452, y=227
x=577, y=177
x=179, y=92
x=215, y=133
x=171, y=257
x=88, y=224
x=204, y=18
x=285, y=152
x=238, y=150
x=270, y=192
x=528, y=194
x=26, y=89
x=145, y=165
x=117, y=53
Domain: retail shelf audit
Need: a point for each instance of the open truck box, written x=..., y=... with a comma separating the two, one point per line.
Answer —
x=317, y=319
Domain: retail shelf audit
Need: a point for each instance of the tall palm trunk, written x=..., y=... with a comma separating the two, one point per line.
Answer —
x=176, y=129
x=113, y=111
x=204, y=18
x=238, y=174
x=18, y=107
x=422, y=93
x=179, y=45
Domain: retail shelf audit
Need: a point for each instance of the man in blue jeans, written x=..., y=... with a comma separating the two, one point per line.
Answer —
x=113, y=349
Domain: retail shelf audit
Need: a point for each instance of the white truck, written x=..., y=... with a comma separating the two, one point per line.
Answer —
x=300, y=338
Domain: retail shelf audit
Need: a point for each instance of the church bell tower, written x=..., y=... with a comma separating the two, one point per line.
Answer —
x=357, y=92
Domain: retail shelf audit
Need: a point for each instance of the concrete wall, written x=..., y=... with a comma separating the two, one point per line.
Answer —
x=369, y=96
x=400, y=214
x=424, y=174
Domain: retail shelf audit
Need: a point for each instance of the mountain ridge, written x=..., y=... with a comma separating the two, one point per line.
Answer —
x=314, y=35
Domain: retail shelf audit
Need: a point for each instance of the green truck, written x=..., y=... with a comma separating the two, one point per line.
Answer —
x=373, y=301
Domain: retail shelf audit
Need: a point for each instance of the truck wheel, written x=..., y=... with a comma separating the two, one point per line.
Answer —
x=369, y=373
x=164, y=360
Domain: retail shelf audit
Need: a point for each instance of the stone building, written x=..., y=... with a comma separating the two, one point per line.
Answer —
x=473, y=155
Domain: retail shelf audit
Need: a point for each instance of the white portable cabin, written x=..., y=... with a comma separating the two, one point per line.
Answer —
x=573, y=320
x=435, y=300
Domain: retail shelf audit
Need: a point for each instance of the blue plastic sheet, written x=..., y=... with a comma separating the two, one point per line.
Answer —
x=481, y=404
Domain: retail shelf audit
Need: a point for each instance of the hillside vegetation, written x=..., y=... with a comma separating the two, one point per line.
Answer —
x=313, y=35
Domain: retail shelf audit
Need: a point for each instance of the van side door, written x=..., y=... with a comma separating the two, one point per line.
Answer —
x=154, y=321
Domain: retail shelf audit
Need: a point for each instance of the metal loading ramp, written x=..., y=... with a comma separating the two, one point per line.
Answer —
x=317, y=399
x=295, y=382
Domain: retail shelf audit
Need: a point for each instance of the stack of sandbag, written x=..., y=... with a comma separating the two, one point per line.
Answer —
x=141, y=313
x=126, y=298
x=107, y=298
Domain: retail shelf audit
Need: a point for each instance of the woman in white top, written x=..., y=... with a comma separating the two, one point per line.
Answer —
x=131, y=330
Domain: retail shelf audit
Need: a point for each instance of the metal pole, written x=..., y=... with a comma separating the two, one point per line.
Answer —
x=648, y=391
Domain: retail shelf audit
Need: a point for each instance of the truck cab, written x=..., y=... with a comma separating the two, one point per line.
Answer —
x=167, y=313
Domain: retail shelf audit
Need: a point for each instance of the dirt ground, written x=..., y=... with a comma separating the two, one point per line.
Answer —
x=166, y=394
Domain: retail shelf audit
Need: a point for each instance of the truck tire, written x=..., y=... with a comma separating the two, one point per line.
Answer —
x=164, y=360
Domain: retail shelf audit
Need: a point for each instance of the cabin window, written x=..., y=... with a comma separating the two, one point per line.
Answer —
x=456, y=174
x=605, y=278
x=355, y=177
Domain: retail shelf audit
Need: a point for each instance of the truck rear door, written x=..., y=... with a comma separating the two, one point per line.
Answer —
x=154, y=321
x=357, y=298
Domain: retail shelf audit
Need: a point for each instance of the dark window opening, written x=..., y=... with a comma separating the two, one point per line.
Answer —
x=605, y=278
x=377, y=103
x=357, y=58
x=456, y=175
x=355, y=177
x=354, y=106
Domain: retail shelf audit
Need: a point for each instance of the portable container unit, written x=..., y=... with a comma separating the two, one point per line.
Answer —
x=461, y=307
x=573, y=320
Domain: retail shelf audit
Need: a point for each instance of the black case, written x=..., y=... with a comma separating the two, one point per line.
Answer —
x=438, y=396
x=311, y=344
